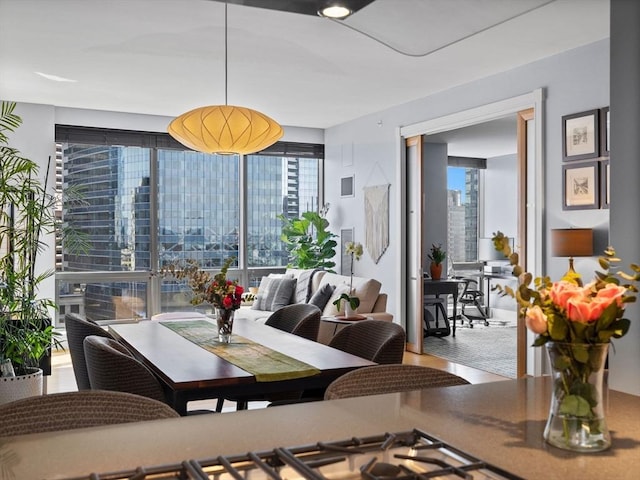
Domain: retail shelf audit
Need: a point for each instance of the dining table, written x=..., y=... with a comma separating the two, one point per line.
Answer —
x=190, y=369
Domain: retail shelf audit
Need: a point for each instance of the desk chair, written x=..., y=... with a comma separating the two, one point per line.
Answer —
x=472, y=296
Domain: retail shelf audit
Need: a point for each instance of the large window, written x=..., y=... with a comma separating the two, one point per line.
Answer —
x=463, y=211
x=148, y=203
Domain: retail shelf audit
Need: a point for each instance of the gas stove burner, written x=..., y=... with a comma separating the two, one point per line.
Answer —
x=411, y=455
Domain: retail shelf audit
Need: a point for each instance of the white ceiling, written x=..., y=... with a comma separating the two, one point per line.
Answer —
x=166, y=56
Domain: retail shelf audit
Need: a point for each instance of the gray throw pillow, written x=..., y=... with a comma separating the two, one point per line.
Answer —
x=322, y=296
x=280, y=293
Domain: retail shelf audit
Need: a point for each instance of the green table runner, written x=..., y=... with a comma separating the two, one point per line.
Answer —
x=266, y=364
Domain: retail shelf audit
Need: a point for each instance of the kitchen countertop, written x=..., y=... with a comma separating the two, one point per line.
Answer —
x=500, y=422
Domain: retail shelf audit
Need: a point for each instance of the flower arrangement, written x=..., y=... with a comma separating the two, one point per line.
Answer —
x=577, y=324
x=353, y=249
x=220, y=292
x=566, y=312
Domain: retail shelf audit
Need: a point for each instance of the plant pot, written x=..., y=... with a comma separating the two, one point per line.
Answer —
x=436, y=271
x=348, y=311
x=21, y=386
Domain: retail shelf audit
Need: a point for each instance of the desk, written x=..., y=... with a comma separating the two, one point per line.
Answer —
x=436, y=288
x=189, y=372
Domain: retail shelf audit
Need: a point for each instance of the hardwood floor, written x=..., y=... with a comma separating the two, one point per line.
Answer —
x=63, y=380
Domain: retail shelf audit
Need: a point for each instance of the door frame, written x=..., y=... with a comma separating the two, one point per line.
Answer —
x=531, y=202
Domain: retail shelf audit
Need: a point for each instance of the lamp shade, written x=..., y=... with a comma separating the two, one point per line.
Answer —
x=572, y=242
x=225, y=130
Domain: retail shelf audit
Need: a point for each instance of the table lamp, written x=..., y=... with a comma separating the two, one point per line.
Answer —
x=572, y=242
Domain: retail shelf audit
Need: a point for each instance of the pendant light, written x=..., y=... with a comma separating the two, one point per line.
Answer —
x=225, y=129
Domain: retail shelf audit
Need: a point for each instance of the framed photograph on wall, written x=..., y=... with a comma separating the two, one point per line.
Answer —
x=580, y=135
x=580, y=186
x=604, y=131
x=346, y=235
x=347, y=186
x=604, y=184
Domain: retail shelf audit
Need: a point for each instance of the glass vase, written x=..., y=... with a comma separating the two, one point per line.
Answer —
x=577, y=415
x=225, y=324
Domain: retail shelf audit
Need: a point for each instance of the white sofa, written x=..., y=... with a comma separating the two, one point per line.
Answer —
x=373, y=304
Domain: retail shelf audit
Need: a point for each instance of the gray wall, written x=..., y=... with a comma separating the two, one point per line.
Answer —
x=625, y=176
x=434, y=224
x=574, y=81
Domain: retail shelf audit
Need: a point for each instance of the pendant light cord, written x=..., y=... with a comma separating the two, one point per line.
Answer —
x=225, y=52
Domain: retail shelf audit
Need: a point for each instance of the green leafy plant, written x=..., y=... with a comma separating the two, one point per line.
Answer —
x=26, y=213
x=309, y=242
x=437, y=255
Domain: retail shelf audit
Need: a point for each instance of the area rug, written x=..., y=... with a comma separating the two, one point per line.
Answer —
x=492, y=348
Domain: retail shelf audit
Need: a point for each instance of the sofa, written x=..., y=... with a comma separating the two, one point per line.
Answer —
x=319, y=287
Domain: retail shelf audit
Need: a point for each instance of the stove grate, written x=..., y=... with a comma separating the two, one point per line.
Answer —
x=410, y=455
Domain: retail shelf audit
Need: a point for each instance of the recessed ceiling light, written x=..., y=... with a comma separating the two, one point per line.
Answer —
x=55, y=78
x=335, y=11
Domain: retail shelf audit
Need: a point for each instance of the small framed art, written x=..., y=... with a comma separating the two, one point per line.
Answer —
x=604, y=184
x=580, y=135
x=580, y=186
x=604, y=131
x=347, y=188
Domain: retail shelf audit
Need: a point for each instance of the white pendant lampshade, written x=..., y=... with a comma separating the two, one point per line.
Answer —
x=225, y=129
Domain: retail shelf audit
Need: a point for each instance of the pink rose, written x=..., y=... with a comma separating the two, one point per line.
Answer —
x=536, y=320
x=583, y=310
x=611, y=293
x=561, y=292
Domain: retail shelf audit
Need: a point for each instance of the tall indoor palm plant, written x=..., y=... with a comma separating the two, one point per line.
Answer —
x=26, y=213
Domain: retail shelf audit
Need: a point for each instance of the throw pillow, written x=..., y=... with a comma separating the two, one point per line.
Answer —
x=274, y=293
x=303, y=288
x=280, y=293
x=330, y=310
x=322, y=296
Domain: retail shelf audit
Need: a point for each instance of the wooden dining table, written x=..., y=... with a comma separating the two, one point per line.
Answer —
x=189, y=372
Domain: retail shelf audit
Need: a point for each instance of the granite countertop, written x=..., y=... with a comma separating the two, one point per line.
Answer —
x=501, y=423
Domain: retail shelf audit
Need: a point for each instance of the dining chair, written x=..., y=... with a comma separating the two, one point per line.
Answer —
x=381, y=379
x=78, y=328
x=80, y=409
x=112, y=367
x=376, y=340
x=301, y=319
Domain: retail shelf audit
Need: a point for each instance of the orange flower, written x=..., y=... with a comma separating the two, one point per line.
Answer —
x=536, y=320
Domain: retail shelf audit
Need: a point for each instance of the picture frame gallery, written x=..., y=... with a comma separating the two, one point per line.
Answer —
x=585, y=136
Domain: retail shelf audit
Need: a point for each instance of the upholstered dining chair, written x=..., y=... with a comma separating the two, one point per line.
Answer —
x=300, y=319
x=376, y=340
x=78, y=329
x=388, y=379
x=112, y=367
x=81, y=409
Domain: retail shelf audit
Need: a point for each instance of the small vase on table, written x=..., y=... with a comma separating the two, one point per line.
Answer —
x=225, y=324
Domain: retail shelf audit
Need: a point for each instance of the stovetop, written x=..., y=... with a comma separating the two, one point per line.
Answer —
x=410, y=455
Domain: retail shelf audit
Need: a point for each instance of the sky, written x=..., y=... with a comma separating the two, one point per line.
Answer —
x=455, y=180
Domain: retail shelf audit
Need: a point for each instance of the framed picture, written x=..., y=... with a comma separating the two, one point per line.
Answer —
x=580, y=135
x=580, y=186
x=604, y=184
x=346, y=235
x=347, y=186
x=604, y=131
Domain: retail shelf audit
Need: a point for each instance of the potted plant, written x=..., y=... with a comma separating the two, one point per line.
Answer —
x=309, y=242
x=437, y=256
x=352, y=302
x=26, y=213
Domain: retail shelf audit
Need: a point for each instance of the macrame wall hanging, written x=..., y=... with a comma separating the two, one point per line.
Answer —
x=376, y=213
